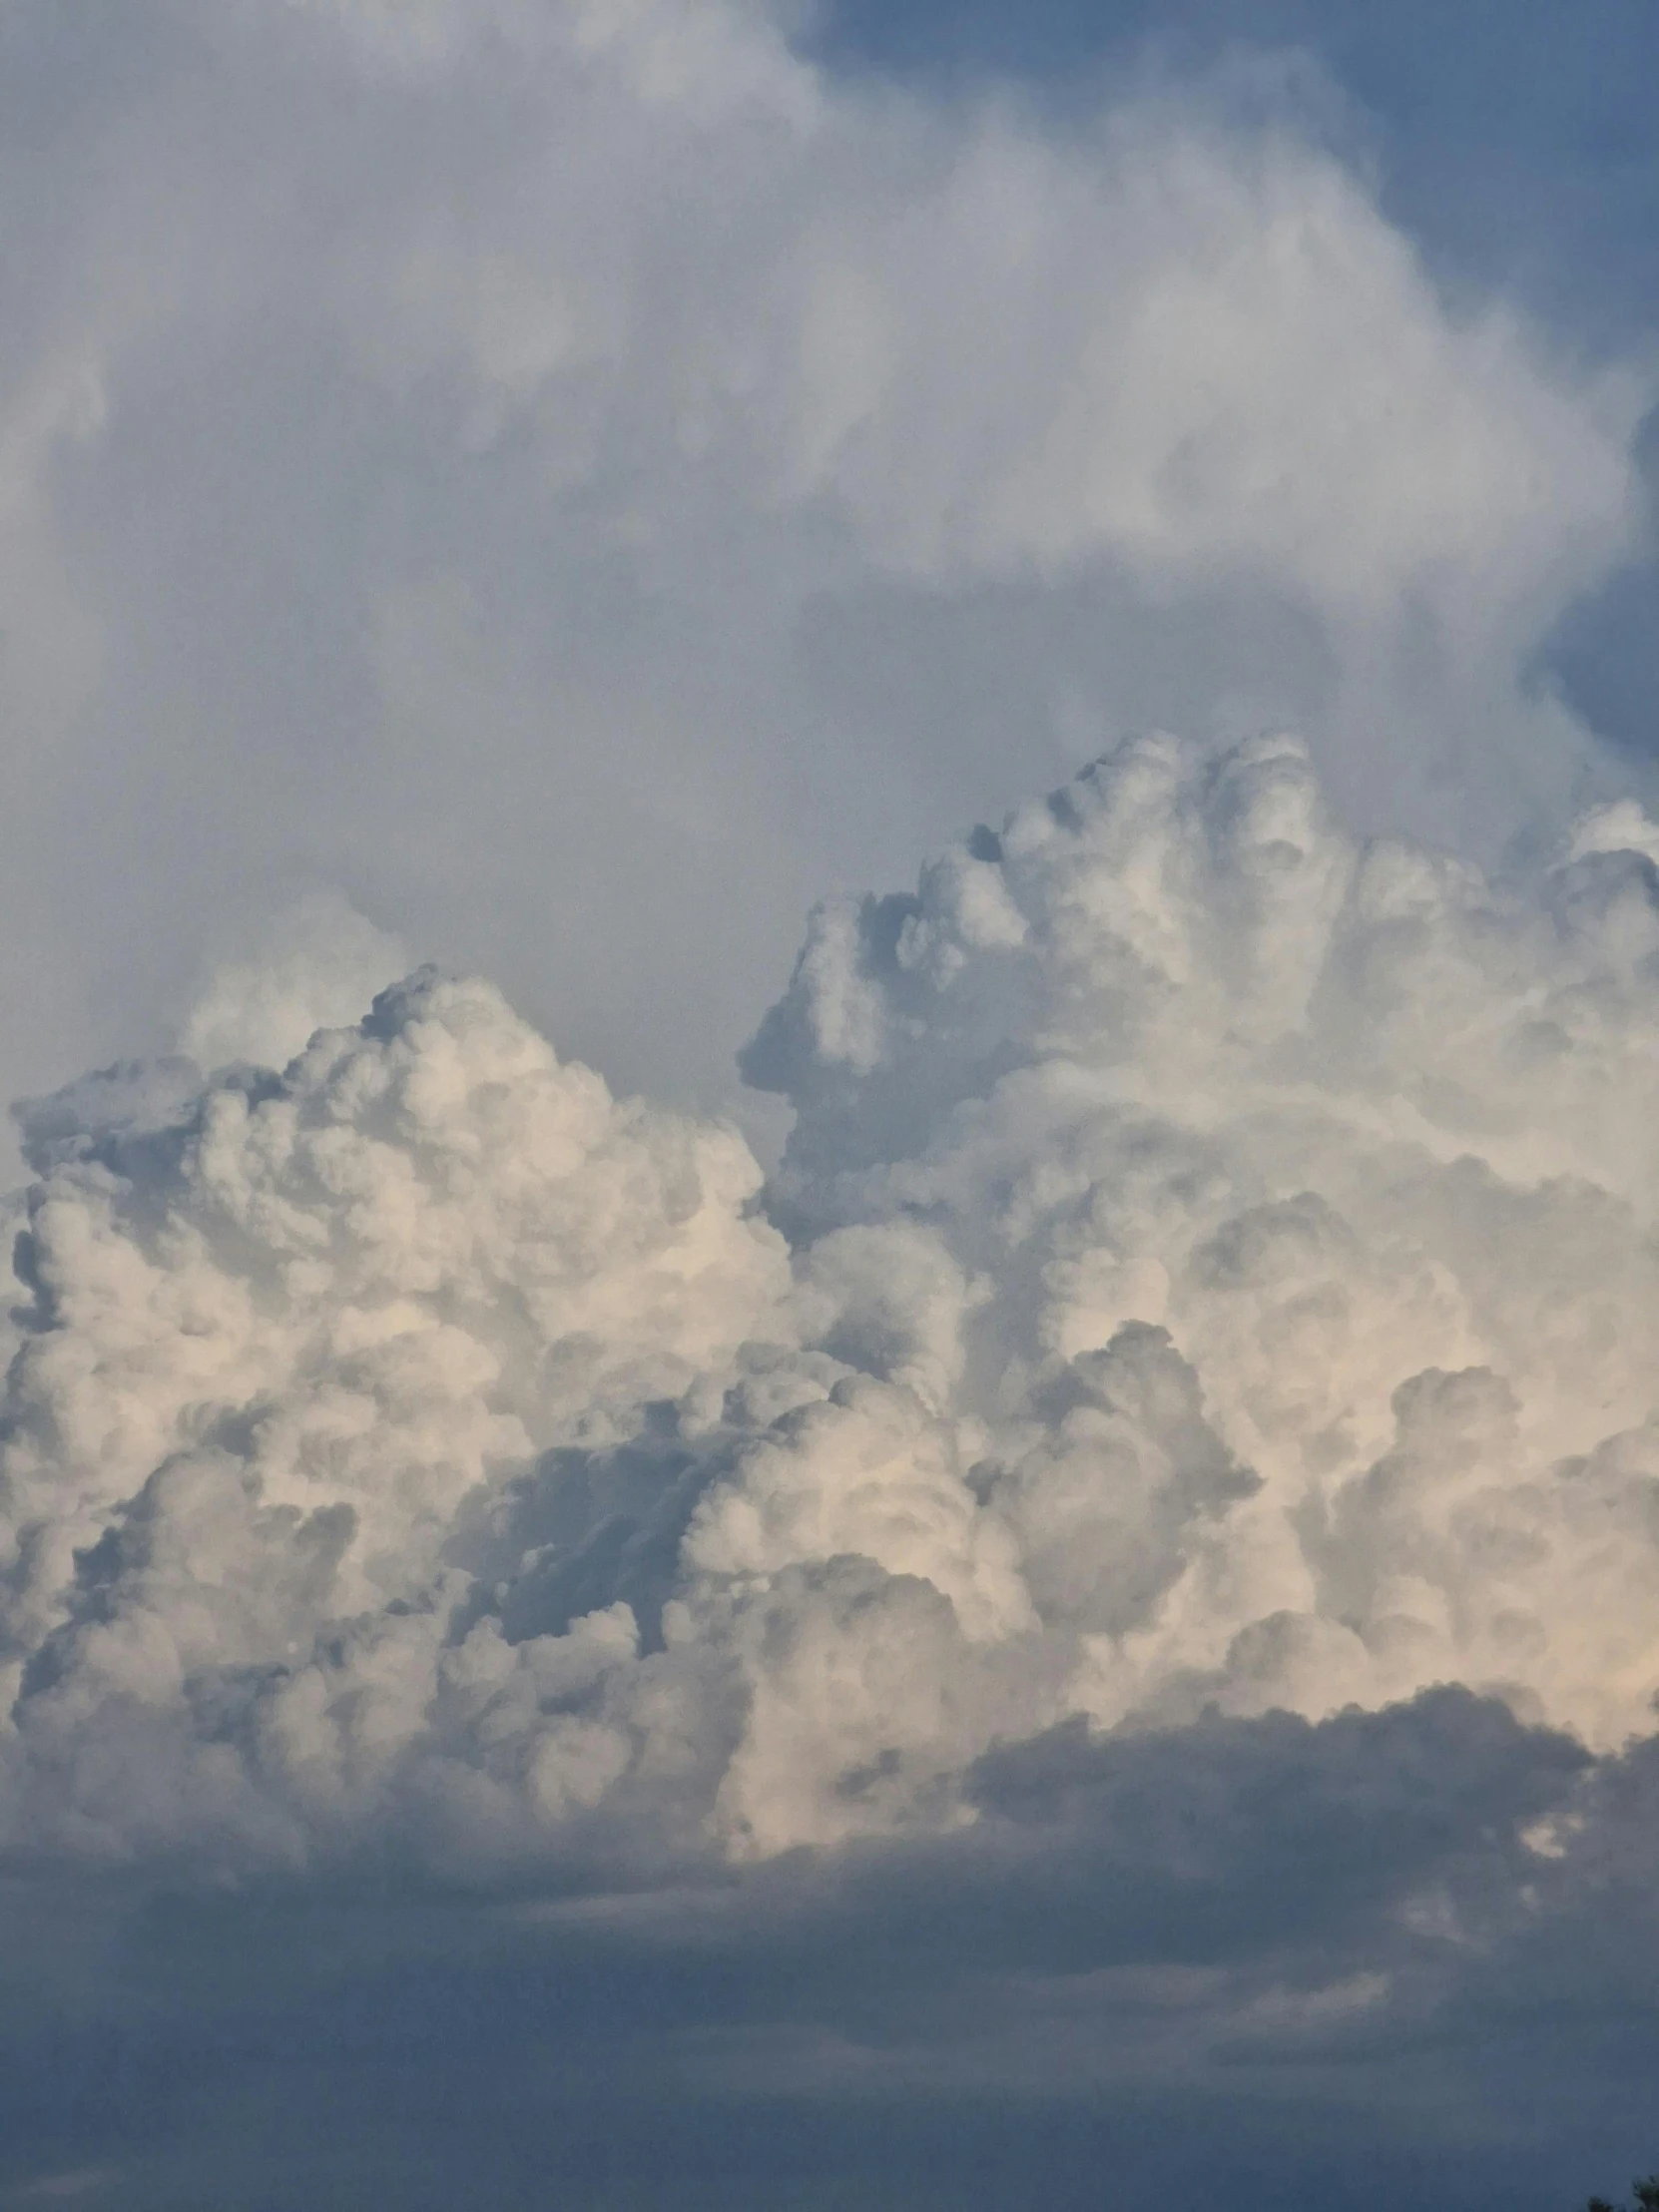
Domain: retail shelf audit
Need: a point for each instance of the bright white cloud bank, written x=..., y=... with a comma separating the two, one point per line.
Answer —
x=1213, y=1265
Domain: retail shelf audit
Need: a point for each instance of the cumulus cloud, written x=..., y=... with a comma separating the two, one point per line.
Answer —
x=1131, y=1539
x=1211, y=1271
x=424, y=1255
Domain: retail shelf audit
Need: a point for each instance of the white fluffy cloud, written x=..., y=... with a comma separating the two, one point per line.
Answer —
x=1212, y=1266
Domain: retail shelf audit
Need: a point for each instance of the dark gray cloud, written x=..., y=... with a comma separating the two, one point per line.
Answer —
x=1255, y=1954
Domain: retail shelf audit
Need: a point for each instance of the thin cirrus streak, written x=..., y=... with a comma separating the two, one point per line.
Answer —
x=1212, y=1267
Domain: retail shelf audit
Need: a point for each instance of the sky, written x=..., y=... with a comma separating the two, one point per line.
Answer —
x=829, y=937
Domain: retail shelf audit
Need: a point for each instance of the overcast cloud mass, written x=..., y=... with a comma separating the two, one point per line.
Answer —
x=1029, y=1580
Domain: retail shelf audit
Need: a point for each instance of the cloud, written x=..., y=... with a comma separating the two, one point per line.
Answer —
x=1258, y=1943
x=1118, y=1570
x=1052, y=1500
x=1210, y=1270
x=579, y=478
x=50, y=2188
x=425, y=1254
x=321, y=964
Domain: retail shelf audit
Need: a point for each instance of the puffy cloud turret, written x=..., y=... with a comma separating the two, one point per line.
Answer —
x=1213, y=1265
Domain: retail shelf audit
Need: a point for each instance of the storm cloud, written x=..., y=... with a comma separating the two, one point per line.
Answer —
x=1048, y=1597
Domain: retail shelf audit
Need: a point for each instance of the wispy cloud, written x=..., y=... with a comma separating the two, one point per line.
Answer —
x=474, y=425
x=50, y=2188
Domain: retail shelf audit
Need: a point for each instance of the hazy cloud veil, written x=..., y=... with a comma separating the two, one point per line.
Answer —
x=1123, y=1566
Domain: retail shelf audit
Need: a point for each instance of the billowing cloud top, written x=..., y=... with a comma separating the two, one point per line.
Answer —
x=1213, y=1265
